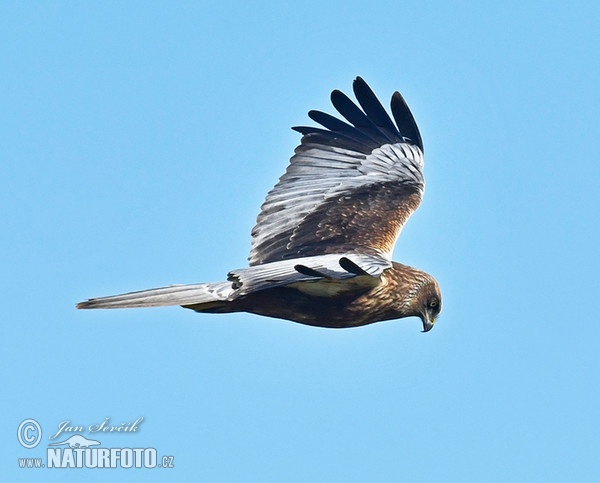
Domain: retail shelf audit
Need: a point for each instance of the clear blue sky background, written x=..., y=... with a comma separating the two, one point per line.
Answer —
x=138, y=141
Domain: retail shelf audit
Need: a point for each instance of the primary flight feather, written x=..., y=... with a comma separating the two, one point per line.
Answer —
x=322, y=245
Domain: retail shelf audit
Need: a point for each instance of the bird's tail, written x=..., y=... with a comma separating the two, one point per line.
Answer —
x=211, y=294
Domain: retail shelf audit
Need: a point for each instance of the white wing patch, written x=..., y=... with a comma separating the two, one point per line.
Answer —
x=321, y=267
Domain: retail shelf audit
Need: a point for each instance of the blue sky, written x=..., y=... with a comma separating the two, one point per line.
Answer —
x=139, y=140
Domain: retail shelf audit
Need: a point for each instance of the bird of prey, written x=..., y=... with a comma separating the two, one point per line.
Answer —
x=322, y=245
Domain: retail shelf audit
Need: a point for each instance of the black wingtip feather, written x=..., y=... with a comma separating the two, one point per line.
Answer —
x=352, y=267
x=311, y=272
x=405, y=121
x=349, y=110
x=368, y=129
x=373, y=109
x=335, y=125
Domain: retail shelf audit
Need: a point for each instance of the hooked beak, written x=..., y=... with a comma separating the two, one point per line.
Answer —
x=428, y=322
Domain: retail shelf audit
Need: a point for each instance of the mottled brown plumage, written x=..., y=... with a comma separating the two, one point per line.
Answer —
x=322, y=244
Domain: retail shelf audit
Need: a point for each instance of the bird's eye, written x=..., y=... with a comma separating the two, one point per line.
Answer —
x=433, y=304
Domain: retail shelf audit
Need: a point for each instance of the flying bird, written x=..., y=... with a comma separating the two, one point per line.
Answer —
x=322, y=245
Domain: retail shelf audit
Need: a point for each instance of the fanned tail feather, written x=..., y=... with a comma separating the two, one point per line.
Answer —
x=202, y=293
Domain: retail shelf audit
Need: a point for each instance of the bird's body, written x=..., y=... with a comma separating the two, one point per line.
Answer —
x=335, y=304
x=322, y=245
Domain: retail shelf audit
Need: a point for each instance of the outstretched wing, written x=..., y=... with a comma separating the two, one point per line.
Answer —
x=348, y=188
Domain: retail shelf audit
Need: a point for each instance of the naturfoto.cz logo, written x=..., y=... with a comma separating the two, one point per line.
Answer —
x=79, y=451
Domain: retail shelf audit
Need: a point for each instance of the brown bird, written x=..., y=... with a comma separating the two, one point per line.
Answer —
x=323, y=241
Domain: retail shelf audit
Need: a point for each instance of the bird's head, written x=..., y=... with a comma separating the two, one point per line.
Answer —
x=419, y=294
x=429, y=302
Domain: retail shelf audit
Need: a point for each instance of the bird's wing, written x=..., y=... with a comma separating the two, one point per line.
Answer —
x=349, y=187
x=365, y=269
x=333, y=267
